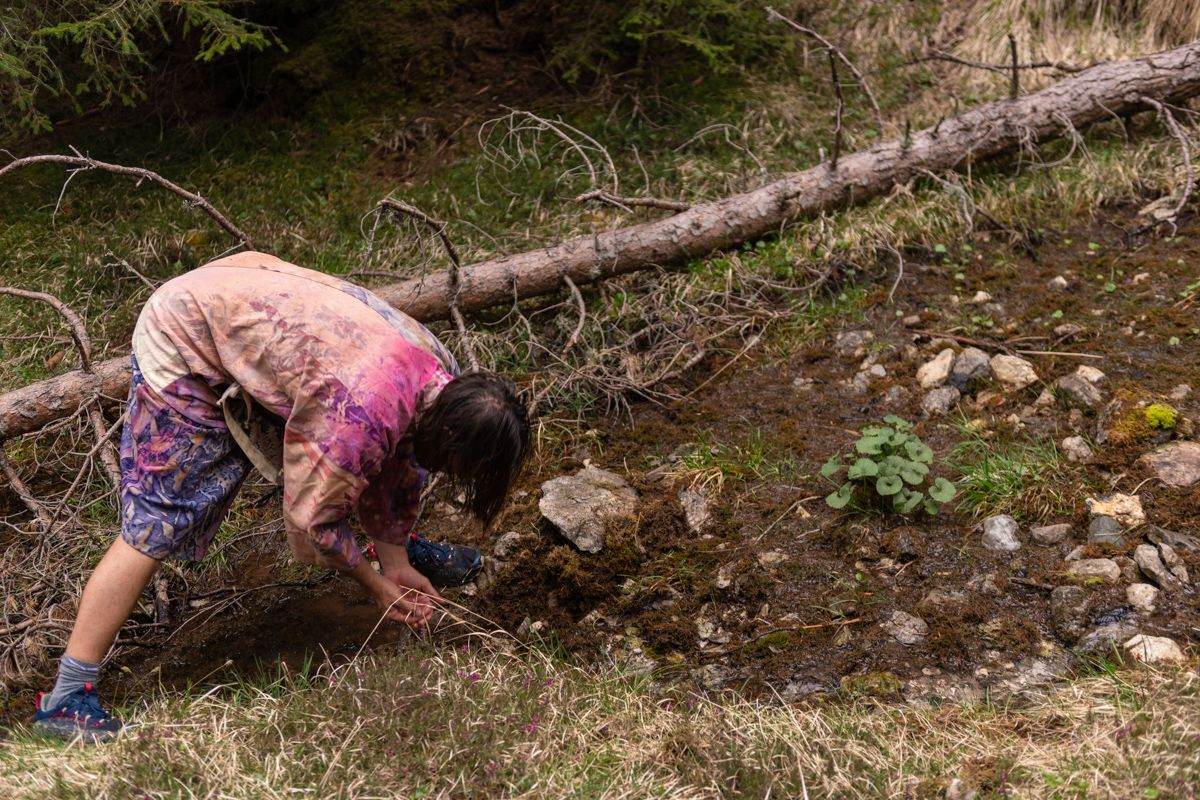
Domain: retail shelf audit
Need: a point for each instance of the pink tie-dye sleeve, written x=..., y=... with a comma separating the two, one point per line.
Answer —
x=389, y=507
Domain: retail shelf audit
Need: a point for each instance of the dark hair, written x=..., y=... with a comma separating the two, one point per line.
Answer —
x=477, y=433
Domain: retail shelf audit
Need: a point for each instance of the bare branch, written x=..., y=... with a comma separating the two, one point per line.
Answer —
x=625, y=203
x=22, y=491
x=578, y=295
x=835, y=50
x=82, y=162
x=837, y=114
x=78, y=330
x=999, y=69
x=1014, y=86
x=1172, y=125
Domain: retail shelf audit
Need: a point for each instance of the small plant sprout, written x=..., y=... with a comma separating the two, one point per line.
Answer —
x=888, y=464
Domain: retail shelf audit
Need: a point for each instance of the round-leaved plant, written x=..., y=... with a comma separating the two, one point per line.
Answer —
x=890, y=465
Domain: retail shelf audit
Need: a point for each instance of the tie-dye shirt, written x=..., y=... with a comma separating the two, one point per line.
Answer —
x=344, y=369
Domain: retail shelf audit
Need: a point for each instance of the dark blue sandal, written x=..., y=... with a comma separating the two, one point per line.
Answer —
x=79, y=716
x=444, y=564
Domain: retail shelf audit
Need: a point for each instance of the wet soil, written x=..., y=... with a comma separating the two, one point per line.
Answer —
x=792, y=594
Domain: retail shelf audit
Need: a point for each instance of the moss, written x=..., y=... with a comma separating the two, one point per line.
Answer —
x=1160, y=416
x=777, y=640
x=871, y=684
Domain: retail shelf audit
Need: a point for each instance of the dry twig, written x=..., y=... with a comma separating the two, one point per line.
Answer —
x=82, y=163
x=626, y=203
x=1172, y=125
x=834, y=50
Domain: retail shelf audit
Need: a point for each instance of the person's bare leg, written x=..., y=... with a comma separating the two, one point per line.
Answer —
x=108, y=600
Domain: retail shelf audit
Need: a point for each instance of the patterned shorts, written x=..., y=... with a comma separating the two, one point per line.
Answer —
x=178, y=475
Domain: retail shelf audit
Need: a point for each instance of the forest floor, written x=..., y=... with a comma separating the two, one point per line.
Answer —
x=735, y=636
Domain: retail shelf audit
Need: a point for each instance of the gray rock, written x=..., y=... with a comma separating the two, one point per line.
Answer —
x=1103, y=568
x=1068, y=611
x=583, y=505
x=1174, y=539
x=934, y=373
x=980, y=298
x=506, y=545
x=1104, y=529
x=938, y=603
x=986, y=583
x=1077, y=450
x=695, y=508
x=895, y=395
x=1154, y=650
x=1129, y=569
x=1058, y=282
x=1173, y=563
x=972, y=365
x=1151, y=565
x=1090, y=374
x=1176, y=464
x=959, y=789
x=911, y=321
x=1068, y=330
x=1105, y=639
x=1078, y=392
x=940, y=400
x=852, y=344
x=1141, y=596
x=1051, y=534
x=1000, y=533
x=905, y=628
x=1014, y=372
x=1076, y=553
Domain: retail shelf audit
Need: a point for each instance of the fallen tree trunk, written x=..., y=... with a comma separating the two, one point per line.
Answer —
x=1105, y=91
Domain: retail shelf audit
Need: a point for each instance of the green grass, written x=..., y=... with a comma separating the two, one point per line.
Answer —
x=1027, y=478
x=493, y=720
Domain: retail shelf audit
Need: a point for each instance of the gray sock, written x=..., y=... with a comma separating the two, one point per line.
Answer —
x=73, y=674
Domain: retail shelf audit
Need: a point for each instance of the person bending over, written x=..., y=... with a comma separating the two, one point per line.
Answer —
x=369, y=402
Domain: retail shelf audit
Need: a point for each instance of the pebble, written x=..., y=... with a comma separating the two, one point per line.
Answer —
x=1141, y=596
x=971, y=365
x=934, y=372
x=912, y=320
x=1090, y=373
x=985, y=584
x=1058, y=282
x=1125, y=508
x=771, y=557
x=1129, y=569
x=1051, y=534
x=1101, y=641
x=506, y=545
x=1077, y=450
x=1014, y=372
x=1103, y=568
x=1172, y=562
x=1153, y=649
x=853, y=344
x=1180, y=392
x=905, y=628
x=1000, y=533
x=695, y=508
x=940, y=400
x=1176, y=464
x=1079, y=392
x=1105, y=530
x=980, y=298
x=1068, y=330
x=1151, y=565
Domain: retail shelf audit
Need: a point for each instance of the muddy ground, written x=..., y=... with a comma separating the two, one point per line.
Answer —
x=790, y=593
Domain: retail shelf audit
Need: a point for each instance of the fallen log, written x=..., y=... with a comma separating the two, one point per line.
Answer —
x=1105, y=91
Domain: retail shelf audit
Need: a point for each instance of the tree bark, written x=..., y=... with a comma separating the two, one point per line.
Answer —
x=1106, y=91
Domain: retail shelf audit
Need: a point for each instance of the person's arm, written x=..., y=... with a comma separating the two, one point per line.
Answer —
x=388, y=512
x=408, y=604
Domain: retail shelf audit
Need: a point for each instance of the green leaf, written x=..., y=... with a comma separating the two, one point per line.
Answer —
x=898, y=423
x=942, y=490
x=913, y=472
x=831, y=467
x=869, y=446
x=840, y=498
x=888, y=485
x=863, y=468
x=930, y=507
x=907, y=502
x=918, y=451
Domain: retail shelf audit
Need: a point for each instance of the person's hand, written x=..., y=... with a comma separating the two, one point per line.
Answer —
x=414, y=586
x=407, y=597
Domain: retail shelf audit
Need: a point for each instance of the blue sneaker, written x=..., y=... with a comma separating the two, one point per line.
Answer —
x=80, y=716
x=444, y=564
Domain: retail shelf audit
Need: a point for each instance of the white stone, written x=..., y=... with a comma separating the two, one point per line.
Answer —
x=1141, y=596
x=771, y=557
x=695, y=508
x=1077, y=450
x=580, y=505
x=1058, y=282
x=1014, y=372
x=1180, y=392
x=1153, y=649
x=1124, y=508
x=905, y=628
x=1090, y=374
x=1103, y=568
x=710, y=631
x=980, y=298
x=1000, y=533
x=935, y=372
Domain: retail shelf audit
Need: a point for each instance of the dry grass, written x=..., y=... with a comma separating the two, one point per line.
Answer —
x=491, y=721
